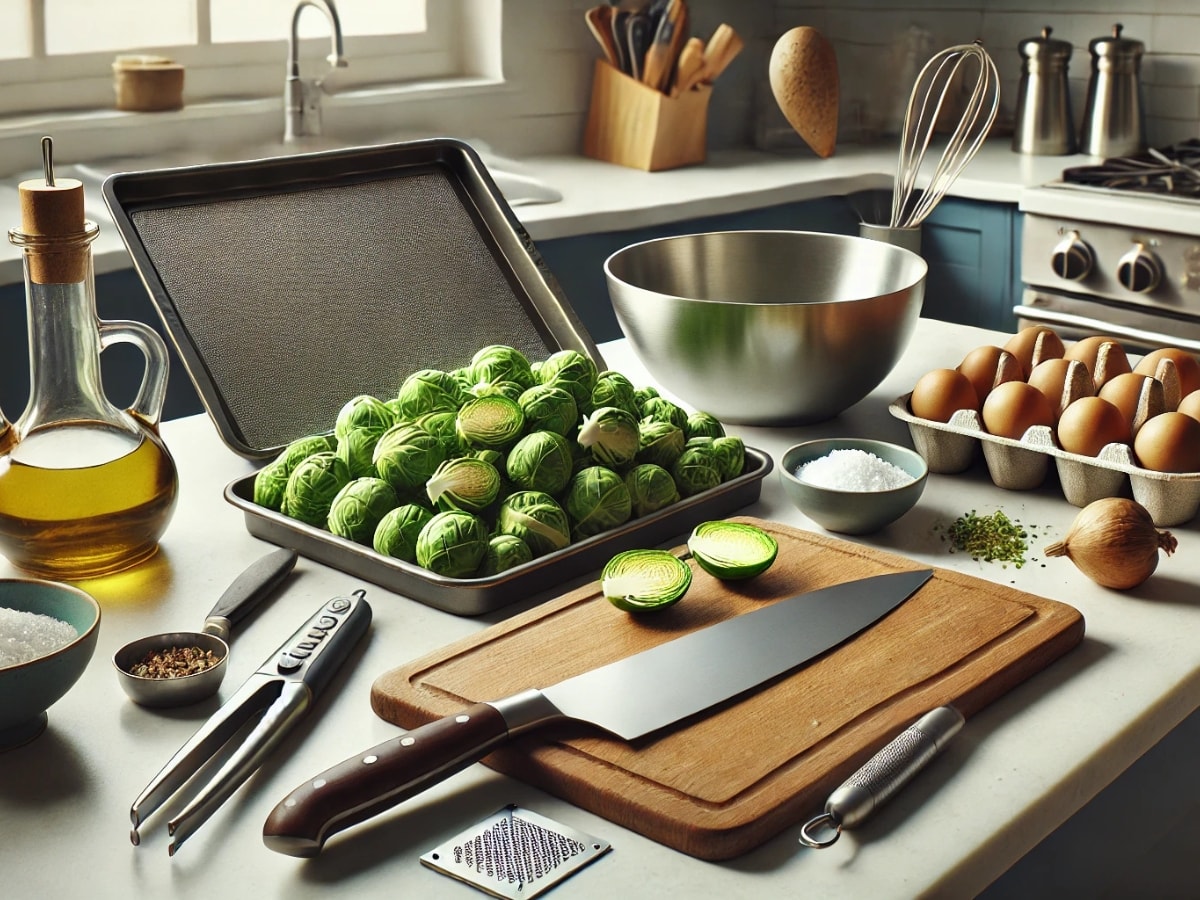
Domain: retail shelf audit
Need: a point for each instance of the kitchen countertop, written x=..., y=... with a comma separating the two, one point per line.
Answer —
x=1017, y=771
x=599, y=196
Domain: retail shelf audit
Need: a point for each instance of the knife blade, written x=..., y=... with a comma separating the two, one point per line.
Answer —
x=720, y=662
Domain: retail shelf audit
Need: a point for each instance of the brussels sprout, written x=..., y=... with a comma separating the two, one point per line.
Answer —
x=650, y=488
x=312, y=486
x=695, y=471
x=425, y=391
x=540, y=461
x=441, y=424
x=498, y=362
x=462, y=380
x=537, y=519
x=596, y=501
x=510, y=389
x=644, y=580
x=702, y=424
x=358, y=507
x=406, y=456
x=364, y=411
x=732, y=550
x=490, y=423
x=452, y=543
x=465, y=483
x=663, y=410
x=611, y=434
x=504, y=551
x=730, y=453
x=659, y=442
x=302, y=448
x=613, y=389
x=396, y=534
x=357, y=449
x=641, y=395
x=269, y=484
x=548, y=407
x=573, y=371
x=495, y=457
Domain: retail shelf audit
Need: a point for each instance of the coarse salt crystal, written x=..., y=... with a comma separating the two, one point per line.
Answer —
x=25, y=636
x=853, y=470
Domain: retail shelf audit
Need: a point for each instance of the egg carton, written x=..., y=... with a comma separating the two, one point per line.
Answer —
x=1022, y=465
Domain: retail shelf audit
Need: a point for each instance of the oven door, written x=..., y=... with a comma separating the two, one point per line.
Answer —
x=1136, y=328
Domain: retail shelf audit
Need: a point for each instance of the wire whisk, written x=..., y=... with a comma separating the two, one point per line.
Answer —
x=930, y=93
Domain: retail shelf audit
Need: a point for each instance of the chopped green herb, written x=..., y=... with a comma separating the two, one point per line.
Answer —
x=994, y=538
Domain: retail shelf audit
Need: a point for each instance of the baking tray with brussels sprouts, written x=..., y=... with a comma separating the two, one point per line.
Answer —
x=476, y=487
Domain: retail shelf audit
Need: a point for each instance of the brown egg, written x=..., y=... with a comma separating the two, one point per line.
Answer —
x=1034, y=344
x=1090, y=424
x=1169, y=442
x=1187, y=367
x=1104, y=357
x=1190, y=405
x=1125, y=392
x=1014, y=407
x=939, y=394
x=988, y=366
x=1062, y=380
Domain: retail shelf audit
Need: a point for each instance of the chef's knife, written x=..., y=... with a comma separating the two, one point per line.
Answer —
x=629, y=698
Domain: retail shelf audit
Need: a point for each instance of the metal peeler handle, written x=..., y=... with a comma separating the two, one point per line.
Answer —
x=882, y=775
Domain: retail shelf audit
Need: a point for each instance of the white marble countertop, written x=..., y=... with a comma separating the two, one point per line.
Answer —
x=1018, y=770
x=599, y=196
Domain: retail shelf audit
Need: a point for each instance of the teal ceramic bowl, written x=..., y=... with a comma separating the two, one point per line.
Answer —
x=28, y=689
x=852, y=511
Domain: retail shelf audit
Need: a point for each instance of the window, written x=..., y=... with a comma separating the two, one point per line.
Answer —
x=57, y=54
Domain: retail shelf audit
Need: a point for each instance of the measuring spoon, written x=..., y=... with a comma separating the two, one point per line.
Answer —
x=243, y=595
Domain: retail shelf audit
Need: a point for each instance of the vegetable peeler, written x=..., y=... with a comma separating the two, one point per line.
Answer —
x=283, y=689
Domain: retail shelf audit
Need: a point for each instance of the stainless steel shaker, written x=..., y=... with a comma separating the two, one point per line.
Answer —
x=1044, y=125
x=1114, y=117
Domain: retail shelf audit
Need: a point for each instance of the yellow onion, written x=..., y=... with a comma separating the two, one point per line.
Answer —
x=1114, y=542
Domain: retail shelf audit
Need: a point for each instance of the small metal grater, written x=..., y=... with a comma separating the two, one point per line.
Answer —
x=515, y=854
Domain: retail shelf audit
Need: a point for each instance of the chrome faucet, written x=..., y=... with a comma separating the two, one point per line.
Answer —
x=302, y=96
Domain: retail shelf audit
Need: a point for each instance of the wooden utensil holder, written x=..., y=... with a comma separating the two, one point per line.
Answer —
x=634, y=125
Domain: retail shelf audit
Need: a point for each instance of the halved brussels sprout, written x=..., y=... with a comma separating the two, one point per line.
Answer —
x=613, y=389
x=573, y=371
x=540, y=461
x=663, y=410
x=425, y=391
x=645, y=580
x=452, y=543
x=696, y=471
x=504, y=551
x=269, y=484
x=490, y=423
x=597, y=500
x=406, y=456
x=359, y=506
x=357, y=449
x=651, y=488
x=364, y=411
x=611, y=434
x=465, y=482
x=397, y=532
x=659, y=442
x=312, y=486
x=537, y=519
x=702, y=424
x=548, y=407
x=730, y=453
x=732, y=550
x=498, y=362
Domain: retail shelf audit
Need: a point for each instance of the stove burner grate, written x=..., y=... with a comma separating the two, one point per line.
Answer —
x=1173, y=171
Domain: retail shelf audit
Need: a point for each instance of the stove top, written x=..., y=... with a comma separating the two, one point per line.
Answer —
x=1172, y=171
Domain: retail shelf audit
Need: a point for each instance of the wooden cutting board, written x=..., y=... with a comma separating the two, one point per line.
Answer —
x=722, y=782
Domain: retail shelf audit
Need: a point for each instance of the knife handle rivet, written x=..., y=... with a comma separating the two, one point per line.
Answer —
x=319, y=783
x=407, y=741
x=368, y=760
x=462, y=720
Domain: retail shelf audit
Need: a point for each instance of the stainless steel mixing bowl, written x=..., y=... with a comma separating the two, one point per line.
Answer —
x=767, y=327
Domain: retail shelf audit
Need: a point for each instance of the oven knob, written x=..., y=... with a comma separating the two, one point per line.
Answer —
x=1072, y=258
x=1139, y=269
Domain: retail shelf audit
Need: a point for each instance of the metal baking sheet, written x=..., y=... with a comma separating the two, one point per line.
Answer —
x=290, y=284
x=476, y=596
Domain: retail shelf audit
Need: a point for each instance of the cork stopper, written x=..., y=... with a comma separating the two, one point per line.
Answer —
x=53, y=208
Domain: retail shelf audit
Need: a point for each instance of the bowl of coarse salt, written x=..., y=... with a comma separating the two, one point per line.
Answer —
x=853, y=485
x=48, y=635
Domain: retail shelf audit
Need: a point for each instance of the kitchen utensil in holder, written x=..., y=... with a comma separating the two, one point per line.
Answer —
x=634, y=125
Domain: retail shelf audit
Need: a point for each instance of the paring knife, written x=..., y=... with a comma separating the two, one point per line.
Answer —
x=629, y=698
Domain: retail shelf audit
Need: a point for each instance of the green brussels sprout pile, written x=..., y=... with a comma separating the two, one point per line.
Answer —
x=473, y=471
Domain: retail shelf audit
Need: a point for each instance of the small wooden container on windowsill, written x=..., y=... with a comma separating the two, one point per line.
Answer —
x=632, y=124
x=147, y=83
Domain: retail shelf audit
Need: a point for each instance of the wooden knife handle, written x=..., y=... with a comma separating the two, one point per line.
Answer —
x=365, y=785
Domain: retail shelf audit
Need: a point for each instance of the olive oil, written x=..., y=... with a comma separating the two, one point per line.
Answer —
x=84, y=499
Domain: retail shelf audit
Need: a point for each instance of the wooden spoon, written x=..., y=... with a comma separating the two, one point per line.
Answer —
x=804, y=80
